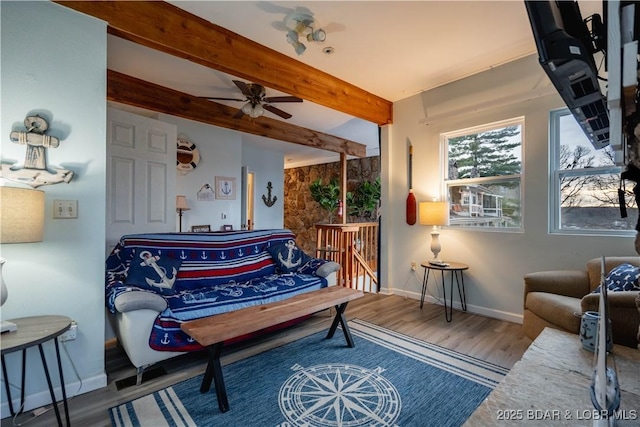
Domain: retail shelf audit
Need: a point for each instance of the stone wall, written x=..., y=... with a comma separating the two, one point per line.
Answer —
x=301, y=212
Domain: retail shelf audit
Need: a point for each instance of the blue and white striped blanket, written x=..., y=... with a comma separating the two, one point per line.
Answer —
x=219, y=272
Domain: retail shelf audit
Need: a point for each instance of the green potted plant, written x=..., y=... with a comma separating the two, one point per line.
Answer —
x=364, y=200
x=327, y=195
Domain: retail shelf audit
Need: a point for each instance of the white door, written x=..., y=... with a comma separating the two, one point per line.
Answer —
x=141, y=175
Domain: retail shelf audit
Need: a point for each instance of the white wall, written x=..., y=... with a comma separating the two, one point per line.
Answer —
x=267, y=165
x=223, y=153
x=53, y=63
x=220, y=155
x=497, y=260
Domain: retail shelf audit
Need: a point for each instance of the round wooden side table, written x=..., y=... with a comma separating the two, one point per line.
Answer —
x=35, y=331
x=456, y=269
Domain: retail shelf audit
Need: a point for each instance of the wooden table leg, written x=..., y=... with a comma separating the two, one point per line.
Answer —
x=214, y=372
x=341, y=319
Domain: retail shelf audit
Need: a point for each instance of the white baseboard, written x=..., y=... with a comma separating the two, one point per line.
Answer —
x=43, y=398
x=484, y=311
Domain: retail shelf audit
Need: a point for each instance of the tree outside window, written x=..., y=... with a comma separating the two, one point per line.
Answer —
x=585, y=183
x=483, y=170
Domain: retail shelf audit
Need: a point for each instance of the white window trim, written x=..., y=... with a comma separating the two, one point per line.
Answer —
x=554, y=183
x=444, y=169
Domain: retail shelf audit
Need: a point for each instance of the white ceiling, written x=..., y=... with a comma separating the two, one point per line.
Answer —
x=393, y=49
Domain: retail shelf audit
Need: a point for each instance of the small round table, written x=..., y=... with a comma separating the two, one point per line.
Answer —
x=34, y=331
x=456, y=269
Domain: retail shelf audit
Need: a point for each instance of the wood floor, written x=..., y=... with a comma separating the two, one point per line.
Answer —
x=492, y=340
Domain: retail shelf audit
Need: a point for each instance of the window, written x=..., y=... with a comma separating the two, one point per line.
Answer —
x=483, y=168
x=585, y=183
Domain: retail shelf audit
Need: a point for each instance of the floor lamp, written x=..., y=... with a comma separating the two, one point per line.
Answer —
x=181, y=205
x=21, y=221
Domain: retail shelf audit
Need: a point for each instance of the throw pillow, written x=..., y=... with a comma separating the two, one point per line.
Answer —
x=288, y=256
x=624, y=277
x=153, y=272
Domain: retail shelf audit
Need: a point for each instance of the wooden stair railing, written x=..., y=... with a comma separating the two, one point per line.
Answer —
x=355, y=247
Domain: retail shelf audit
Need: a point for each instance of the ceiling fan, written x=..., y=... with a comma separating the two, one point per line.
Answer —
x=257, y=101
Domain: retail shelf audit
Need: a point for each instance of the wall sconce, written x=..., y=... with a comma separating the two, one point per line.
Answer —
x=22, y=219
x=435, y=214
x=181, y=205
x=299, y=24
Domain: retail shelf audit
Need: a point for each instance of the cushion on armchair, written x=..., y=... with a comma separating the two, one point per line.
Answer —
x=624, y=277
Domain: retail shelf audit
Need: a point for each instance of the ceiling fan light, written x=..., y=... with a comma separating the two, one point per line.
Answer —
x=247, y=108
x=299, y=47
x=256, y=111
x=317, y=36
x=292, y=37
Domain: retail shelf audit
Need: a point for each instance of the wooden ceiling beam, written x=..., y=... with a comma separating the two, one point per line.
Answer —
x=167, y=28
x=132, y=91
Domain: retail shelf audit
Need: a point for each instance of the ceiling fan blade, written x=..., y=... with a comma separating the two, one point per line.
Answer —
x=238, y=114
x=276, y=111
x=221, y=99
x=282, y=99
x=244, y=88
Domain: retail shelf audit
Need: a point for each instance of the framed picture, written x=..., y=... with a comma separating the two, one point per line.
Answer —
x=225, y=188
x=200, y=228
x=227, y=227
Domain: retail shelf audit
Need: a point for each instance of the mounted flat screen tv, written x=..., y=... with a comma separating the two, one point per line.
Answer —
x=565, y=50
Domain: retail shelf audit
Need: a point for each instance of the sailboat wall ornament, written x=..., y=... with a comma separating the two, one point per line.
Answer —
x=605, y=390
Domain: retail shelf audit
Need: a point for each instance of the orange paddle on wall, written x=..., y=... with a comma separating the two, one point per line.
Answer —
x=411, y=198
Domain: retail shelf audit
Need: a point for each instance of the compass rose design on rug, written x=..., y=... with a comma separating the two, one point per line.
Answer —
x=339, y=395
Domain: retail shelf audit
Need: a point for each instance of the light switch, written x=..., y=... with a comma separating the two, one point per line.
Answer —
x=65, y=209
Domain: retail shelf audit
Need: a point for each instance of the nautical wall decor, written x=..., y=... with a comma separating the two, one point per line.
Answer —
x=268, y=200
x=34, y=172
x=206, y=193
x=225, y=188
x=188, y=156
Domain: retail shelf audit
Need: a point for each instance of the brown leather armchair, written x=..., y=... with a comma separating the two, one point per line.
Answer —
x=556, y=299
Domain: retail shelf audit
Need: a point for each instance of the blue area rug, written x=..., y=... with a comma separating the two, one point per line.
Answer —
x=387, y=379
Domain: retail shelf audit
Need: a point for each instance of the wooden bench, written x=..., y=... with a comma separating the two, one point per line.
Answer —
x=212, y=331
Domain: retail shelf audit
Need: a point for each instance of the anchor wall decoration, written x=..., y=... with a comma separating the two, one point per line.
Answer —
x=268, y=200
x=34, y=172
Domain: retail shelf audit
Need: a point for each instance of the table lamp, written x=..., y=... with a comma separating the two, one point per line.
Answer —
x=435, y=214
x=21, y=221
x=181, y=205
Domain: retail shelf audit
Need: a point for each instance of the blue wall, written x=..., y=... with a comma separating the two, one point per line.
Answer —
x=54, y=63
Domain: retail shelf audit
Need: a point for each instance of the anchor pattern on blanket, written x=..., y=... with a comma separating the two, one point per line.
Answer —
x=149, y=260
x=290, y=262
x=233, y=289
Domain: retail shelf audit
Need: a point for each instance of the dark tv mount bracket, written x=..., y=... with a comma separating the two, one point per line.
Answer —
x=597, y=33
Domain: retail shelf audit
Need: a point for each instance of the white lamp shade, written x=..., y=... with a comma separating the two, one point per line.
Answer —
x=21, y=215
x=434, y=213
x=181, y=203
